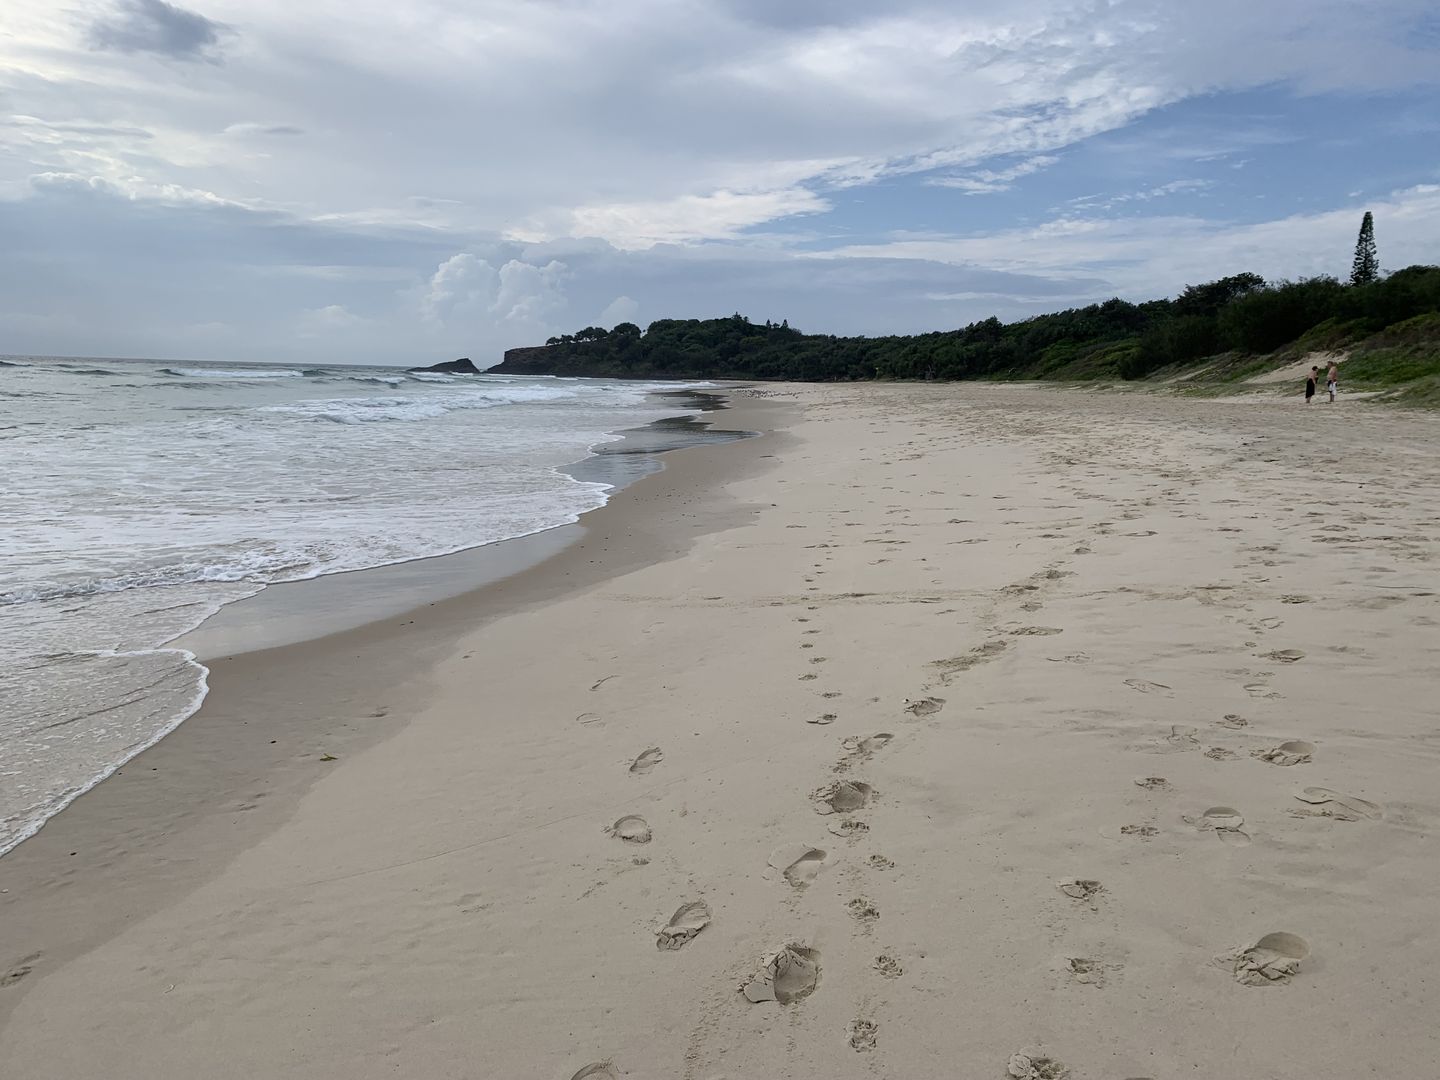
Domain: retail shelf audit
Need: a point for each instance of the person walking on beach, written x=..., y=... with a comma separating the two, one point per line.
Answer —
x=1332, y=380
x=1310, y=384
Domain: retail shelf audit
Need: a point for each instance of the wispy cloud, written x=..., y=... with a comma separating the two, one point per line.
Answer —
x=988, y=181
x=250, y=129
x=1159, y=191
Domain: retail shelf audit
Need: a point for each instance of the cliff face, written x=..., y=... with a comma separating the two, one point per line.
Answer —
x=531, y=360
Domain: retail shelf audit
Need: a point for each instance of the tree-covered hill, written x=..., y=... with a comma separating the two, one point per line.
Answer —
x=1237, y=317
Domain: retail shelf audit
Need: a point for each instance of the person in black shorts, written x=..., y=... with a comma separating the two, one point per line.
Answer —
x=1310, y=384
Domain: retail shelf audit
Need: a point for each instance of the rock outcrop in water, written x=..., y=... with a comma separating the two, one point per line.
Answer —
x=462, y=366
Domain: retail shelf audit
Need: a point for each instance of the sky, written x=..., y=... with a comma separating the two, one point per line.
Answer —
x=352, y=181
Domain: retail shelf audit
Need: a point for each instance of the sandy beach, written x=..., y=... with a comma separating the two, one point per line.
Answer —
x=994, y=731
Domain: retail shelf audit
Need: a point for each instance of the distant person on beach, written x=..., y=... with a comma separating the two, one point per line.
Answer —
x=1310, y=384
x=1332, y=380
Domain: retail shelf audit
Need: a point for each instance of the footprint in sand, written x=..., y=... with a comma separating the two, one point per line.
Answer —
x=888, y=966
x=688, y=920
x=807, y=678
x=1293, y=752
x=787, y=975
x=827, y=718
x=601, y=1070
x=1233, y=720
x=799, y=864
x=1225, y=822
x=20, y=970
x=1152, y=783
x=647, y=761
x=1261, y=690
x=863, y=909
x=880, y=862
x=862, y=1034
x=865, y=745
x=841, y=797
x=1036, y=631
x=849, y=828
x=1085, y=890
x=1182, y=737
x=632, y=828
x=1284, y=656
x=966, y=661
x=1335, y=804
x=1295, y=599
x=1275, y=958
x=1088, y=971
x=1144, y=686
x=1219, y=753
x=926, y=706
x=1032, y=1065
x=1142, y=831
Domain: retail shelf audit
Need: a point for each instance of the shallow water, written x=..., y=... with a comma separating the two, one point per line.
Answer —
x=141, y=497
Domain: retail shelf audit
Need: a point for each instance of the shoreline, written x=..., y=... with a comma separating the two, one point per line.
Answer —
x=170, y=817
x=291, y=612
x=1076, y=716
x=288, y=612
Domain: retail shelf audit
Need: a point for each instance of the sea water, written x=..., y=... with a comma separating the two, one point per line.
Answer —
x=138, y=498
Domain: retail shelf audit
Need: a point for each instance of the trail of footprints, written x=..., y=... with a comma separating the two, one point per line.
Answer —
x=791, y=971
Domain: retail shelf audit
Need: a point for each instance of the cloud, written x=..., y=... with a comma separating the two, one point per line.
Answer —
x=512, y=305
x=621, y=309
x=1159, y=191
x=153, y=26
x=1142, y=257
x=250, y=129
x=719, y=215
x=329, y=321
x=988, y=181
x=54, y=132
x=806, y=159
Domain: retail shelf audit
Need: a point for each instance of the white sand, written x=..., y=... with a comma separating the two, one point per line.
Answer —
x=1091, y=583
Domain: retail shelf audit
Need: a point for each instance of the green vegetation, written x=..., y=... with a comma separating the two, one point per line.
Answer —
x=1366, y=267
x=1228, y=329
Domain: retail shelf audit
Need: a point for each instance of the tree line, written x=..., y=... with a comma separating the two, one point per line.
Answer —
x=1240, y=314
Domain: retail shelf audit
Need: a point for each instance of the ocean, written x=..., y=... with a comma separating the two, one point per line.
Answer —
x=141, y=497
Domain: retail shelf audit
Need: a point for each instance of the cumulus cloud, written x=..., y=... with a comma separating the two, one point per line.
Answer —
x=621, y=309
x=153, y=26
x=513, y=304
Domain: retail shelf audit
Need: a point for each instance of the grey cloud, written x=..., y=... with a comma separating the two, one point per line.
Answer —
x=154, y=26
x=803, y=14
x=250, y=128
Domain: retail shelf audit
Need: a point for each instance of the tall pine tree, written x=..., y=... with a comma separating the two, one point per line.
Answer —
x=1366, y=267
